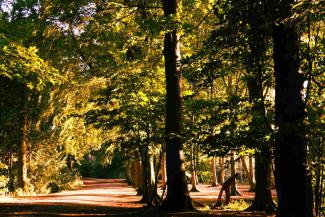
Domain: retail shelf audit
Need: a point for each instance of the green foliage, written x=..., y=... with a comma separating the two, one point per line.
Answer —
x=3, y=184
x=239, y=205
x=95, y=74
x=24, y=65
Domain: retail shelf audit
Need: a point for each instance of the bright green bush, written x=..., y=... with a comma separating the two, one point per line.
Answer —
x=3, y=184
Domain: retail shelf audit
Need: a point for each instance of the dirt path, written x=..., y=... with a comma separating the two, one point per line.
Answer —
x=100, y=192
x=103, y=197
x=91, y=200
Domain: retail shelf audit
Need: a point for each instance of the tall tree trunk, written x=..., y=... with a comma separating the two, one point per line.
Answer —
x=263, y=195
x=196, y=156
x=163, y=171
x=177, y=192
x=250, y=163
x=152, y=179
x=248, y=174
x=11, y=186
x=213, y=172
x=317, y=191
x=22, y=165
x=22, y=148
x=138, y=177
x=144, y=154
x=293, y=179
x=148, y=181
x=193, y=172
x=259, y=125
x=233, y=189
x=222, y=170
x=194, y=181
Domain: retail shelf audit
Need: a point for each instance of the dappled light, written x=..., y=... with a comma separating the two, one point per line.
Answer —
x=156, y=108
x=105, y=197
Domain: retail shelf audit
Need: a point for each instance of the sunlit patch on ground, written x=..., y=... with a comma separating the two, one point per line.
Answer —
x=113, y=197
x=113, y=193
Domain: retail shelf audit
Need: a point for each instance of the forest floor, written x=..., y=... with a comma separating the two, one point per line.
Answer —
x=113, y=197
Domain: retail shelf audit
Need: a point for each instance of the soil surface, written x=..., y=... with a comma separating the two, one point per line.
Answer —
x=110, y=197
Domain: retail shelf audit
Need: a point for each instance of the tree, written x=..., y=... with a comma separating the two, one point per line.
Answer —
x=255, y=18
x=177, y=192
x=30, y=72
x=293, y=180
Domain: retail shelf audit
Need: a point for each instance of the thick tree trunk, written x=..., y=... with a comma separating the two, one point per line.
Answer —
x=263, y=198
x=137, y=177
x=145, y=176
x=293, y=180
x=213, y=172
x=259, y=126
x=22, y=166
x=263, y=195
x=177, y=192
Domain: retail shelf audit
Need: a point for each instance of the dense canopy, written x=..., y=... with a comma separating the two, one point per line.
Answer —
x=166, y=93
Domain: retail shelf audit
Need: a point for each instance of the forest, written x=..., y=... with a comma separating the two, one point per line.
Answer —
x=162, y=108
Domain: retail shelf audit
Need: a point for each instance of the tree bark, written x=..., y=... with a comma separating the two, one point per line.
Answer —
x=248, y=174
x=163, y=171
x=259, y=125
x=11, y=185
x=145, y=175
x=222, y=170
x=196, y=156
x=22, y=149
x=151, y=182
x=293, y=179
x=138, y=177
x=233, y=189
x=251, y=169
x=263, y=195
x=193, y=172
x=177, y=192
x=214, y=172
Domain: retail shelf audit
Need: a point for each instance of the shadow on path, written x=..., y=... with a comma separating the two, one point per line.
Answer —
x=99, y=197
